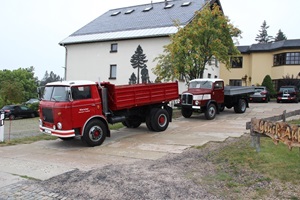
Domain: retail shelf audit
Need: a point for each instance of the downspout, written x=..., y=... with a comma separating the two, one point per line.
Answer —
x=66, y=62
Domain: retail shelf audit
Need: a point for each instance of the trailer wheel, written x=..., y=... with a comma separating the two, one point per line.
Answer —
x=186, y=112
x=95, y=133
x=211, y=111
x=160, y=119
x=241, y=106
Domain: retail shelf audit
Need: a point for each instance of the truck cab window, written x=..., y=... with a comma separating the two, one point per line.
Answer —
x=56, y=93
x=82, y=92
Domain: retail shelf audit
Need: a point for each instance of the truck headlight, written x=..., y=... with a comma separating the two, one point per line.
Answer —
x=197, y=103
x=59, y=125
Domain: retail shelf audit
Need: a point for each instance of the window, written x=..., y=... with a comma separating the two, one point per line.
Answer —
x=115, y=13
x=236, y=62
x=208, y=75
x=169, y=6
x=235, y=82
x=186, y=4
x=148, y=9
x=114, y=47
x=129, y=11
x=81, y=92
x=113, y=72
x=218, y=85
x=291, y=58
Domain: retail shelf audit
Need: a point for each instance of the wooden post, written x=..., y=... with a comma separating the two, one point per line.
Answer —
x=284, y=116
x=255, y=142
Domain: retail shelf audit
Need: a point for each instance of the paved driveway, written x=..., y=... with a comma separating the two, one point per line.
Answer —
x=45, y=159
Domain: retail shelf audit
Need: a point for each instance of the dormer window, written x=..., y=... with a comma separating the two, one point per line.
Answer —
x=148, y=9
x=129, y=11
x=169, y=6
x=115, y=13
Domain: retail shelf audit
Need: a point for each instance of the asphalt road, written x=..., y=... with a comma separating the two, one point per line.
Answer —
x=45, y=159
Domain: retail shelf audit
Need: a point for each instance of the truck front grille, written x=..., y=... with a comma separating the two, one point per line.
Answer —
x=187, y=99
x=47, y=115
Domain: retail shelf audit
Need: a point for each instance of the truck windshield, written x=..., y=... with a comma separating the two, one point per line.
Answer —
x=56, y=93
x=201, y=84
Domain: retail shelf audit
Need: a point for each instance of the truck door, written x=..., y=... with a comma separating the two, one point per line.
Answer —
x=218, y=92
x=83, y=105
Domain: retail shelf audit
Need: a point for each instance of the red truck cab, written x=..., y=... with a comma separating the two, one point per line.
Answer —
x=68, y=106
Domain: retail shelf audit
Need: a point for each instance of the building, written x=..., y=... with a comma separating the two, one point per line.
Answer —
x=103, y=48
x=278, y=59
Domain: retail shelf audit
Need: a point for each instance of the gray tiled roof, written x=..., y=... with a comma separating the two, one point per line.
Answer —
x=157, y=17
x=284, y=44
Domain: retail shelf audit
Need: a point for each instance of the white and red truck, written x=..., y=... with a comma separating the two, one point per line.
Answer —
x=84, y=108
x=210, y=96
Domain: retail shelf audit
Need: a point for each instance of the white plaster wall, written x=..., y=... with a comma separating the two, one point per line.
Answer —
x=91, y=61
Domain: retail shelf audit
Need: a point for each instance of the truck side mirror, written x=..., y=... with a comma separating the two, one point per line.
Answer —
x=39, y=91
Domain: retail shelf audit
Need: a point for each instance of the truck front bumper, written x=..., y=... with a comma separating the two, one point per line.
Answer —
x=58, y=133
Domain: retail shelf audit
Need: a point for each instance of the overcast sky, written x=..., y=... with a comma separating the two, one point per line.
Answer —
x=32, y=29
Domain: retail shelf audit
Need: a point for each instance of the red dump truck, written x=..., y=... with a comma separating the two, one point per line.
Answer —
x=84, y=108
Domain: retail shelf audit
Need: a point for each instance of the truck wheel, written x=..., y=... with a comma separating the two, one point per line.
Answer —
x=160, y=119
x=222, y=108
x=211, y=111
x=95, y=133
x=241, y=106
x=148, y=122
x=186, y=112
x=132, y=122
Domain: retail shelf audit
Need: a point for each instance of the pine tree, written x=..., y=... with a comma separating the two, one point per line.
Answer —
x=138, y=60
x=263, y=36
x=280, y=36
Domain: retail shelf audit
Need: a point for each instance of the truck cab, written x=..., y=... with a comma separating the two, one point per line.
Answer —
x=203, y=95
x=67, y=107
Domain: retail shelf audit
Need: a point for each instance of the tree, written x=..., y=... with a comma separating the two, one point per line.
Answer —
x=280, y=36
x=263, y=36
x=18, y=85
x=138, y=60
x=48, y=78
x=267, y=82
x=208, y=34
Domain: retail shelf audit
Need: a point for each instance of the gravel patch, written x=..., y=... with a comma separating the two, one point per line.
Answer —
x=190, y=175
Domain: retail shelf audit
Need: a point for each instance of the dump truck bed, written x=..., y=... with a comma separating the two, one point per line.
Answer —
x=129, y=96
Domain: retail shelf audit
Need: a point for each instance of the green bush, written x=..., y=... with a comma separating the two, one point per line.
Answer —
x=267, y=82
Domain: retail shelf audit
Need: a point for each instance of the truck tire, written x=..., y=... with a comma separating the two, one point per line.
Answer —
x=148, y=121
x=95, y=133
x=186, y=112
x=211, y=111
x=159, y=119
x=134, y=122
x=241, y=106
